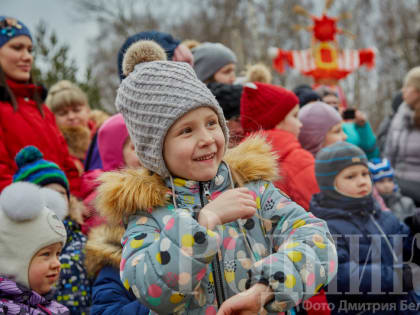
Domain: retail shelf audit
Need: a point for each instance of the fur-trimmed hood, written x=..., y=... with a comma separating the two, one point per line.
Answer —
x=103, y=248
x=119, y=193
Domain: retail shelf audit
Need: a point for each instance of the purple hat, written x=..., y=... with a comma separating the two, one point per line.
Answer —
x=317, y=119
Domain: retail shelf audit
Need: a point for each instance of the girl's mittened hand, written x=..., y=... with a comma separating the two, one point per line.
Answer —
x=229, y=206
x=249, y=302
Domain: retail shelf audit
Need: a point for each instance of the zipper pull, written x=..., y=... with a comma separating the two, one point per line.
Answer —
x=206, y=189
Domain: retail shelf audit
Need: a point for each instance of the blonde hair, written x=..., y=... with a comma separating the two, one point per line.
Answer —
x=98, y=116
x=412, y=78
x=65, y=93
x=190, y=43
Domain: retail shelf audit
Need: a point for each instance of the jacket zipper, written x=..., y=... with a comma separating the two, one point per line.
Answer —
x=217, y=274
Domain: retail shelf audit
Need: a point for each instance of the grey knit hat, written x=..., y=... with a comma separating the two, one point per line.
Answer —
x=154, y=95
x=331, y=160
x=210, y=57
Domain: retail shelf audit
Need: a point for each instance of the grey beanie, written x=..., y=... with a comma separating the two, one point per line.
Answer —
x=210, y=57
x=331, y=160
x=28, y=223
x=154, y=95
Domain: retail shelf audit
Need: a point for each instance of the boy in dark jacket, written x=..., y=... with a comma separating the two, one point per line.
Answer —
x=373, y=246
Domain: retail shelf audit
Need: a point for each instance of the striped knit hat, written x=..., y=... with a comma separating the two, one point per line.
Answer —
x=380, y=169
x=33, y=168
x=154, y=95
x=331, y=160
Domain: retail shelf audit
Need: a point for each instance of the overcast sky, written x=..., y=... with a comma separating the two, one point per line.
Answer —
x=59, y=16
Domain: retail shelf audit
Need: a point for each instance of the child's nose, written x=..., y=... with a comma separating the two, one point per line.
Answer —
x=206, y=138
x=55, y=263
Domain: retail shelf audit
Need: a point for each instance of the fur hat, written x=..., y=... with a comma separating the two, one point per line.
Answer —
x=380, y=169
x=317, y=119
x=263, y=105
x=33, y=168
x=154, y=95
x=28, y=223
x=331, y=160
x=228, y=96
x=210, y=57
x=11, y=28
x=166, y=41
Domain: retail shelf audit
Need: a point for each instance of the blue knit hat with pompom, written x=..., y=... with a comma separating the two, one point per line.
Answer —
x=33, y=168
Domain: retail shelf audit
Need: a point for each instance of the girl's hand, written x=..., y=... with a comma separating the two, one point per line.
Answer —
x=360, y=118
x=229, y=206
x=249, y=302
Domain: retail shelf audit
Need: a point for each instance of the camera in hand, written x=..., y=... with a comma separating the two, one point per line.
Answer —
x=349, y=113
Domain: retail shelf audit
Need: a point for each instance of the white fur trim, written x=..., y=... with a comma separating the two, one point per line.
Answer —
x=21, y=201
x=55, y=202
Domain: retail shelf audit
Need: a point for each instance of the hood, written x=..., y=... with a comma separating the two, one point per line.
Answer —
x=103, y=248
x=119, y=197
x=111, y=138
x=324, y=207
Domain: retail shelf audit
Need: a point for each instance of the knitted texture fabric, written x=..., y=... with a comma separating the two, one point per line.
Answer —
x=11, y=28
x=331, y=160
x=317, y=119
x=228, y=96
x=33, y=168
x=263, y=106
x=152, y=97
x=210, y=57
x=380, y=169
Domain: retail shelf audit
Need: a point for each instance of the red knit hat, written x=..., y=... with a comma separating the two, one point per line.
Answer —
x=263, y=106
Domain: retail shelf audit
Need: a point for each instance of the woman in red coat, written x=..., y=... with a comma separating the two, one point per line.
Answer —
x=24, y=119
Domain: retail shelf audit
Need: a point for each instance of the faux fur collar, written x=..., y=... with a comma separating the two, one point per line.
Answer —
x=103, y=248
x=126, y=192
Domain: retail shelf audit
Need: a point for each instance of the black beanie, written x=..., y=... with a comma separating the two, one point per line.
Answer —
x=228, y=96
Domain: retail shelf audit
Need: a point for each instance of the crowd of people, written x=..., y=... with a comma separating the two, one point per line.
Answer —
x=206, y=193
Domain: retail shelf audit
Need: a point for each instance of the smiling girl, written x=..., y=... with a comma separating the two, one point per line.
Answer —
x=205, y=230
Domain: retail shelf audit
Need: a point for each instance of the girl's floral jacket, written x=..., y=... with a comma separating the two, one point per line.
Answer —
x=172, y=264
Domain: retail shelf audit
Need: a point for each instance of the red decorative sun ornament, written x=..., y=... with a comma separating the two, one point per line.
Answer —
x=324, y=28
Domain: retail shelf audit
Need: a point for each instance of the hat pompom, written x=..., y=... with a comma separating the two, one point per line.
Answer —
x=21, y=201
x=258, y=73
x=28, y=155
x=142, y=51
x=55, y=202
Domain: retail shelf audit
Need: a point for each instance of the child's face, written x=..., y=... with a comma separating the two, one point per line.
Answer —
x=194, y=145
x=72, y=116
x=410, y=95
x=129, y=154
x=354, y=181
x=335, y=134
x=385, y=186
x=44, y=268
x=226, y=74
x=291, y=122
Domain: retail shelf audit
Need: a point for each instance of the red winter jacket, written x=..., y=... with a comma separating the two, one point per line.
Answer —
x=27, y=126
x=299, y=182
x=297, y=167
